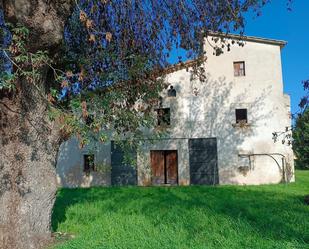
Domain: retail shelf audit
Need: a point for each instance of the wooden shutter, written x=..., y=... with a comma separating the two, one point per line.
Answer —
x=239, y=68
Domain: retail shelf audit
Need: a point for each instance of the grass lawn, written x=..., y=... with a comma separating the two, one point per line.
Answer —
x=272, y=216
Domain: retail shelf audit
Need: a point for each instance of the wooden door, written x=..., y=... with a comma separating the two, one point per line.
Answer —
x=171, y=167
x=157, y=167
x=164, y=167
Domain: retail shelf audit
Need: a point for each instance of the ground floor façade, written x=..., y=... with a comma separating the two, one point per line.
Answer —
x=170, y=162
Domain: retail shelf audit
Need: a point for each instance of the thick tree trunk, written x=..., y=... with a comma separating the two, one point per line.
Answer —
x=28, y=148
x=28, y=141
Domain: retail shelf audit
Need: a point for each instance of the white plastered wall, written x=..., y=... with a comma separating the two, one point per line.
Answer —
x=207, y=109
x=70, y=163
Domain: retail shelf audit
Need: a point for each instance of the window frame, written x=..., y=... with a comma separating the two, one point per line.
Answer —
x=239, y=70
x=91, y=163
x=238, y=115
x=171, y=92
x=160, y=118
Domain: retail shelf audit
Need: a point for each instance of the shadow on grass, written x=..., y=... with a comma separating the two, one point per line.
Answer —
x=273, y=214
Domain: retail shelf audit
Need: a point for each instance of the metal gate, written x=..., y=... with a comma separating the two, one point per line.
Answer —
x=122, y=174
x=203, y=161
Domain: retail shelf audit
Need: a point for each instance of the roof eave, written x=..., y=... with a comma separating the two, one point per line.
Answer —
x=280, y=43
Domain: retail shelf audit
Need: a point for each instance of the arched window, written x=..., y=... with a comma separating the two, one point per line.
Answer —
x=171, y=92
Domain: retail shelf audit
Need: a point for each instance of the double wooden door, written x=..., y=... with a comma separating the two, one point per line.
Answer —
x=164, y=167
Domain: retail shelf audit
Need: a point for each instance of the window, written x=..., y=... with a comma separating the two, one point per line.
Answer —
x=241, y=116
x=239, y=68
x=164, y=116
x=89, y=163
x=171, y=92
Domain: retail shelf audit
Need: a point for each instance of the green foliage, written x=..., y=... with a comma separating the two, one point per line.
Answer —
x=115, y=54
x=110, y=71
x=301, y=140
x=7, y=81
x=197, y=217
x=27, y=65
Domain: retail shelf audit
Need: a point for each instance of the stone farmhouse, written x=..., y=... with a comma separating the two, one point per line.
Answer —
x=219, y=131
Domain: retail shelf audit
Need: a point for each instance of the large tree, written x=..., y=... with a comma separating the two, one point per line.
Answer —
x=83, y=81
x=301, y=131
x=301, y=140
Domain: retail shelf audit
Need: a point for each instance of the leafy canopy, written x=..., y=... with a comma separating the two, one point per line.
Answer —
x=301, y=140
x=111, y=71
x=304, y=102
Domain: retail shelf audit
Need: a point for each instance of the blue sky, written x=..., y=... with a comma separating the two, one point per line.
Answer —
x=292, y=26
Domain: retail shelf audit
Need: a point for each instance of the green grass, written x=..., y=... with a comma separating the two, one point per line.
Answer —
x=270, y=216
